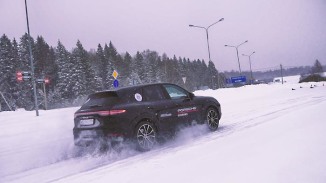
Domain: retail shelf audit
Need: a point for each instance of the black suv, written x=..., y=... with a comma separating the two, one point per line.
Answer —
x=142, y=113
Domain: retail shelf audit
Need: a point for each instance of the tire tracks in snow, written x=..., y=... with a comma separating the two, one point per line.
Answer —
x=71, y=166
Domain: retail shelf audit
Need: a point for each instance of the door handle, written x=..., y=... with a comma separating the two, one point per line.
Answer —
x=150, y=107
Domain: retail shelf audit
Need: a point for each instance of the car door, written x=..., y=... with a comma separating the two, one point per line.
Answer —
x=157, y=102
x=186, y=110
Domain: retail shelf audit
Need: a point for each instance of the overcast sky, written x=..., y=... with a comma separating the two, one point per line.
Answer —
x=288, y=32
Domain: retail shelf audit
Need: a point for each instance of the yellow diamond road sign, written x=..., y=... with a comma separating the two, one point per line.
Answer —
x=115, y=74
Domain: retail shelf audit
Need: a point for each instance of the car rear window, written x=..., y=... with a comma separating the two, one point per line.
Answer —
x=102, y=99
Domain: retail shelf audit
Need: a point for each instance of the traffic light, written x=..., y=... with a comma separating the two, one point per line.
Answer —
x=23, y=76
x=19, y=76
x=46, y=80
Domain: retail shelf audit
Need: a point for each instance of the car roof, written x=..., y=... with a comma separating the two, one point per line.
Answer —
x=132, y=88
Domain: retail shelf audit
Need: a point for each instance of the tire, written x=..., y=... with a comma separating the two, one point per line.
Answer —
x=145, y=136
x=212, y=119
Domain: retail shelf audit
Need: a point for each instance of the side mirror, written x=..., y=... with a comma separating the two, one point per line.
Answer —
x=191, y=95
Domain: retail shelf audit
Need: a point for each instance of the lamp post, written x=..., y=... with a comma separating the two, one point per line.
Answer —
x=249, y=56
x=31, y=59
x=236, y=47
x=206, y=29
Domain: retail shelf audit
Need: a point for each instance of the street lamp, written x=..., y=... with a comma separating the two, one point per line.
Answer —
x=250, y=65
x=236, y=47
x=31, y=59
x=206, y=29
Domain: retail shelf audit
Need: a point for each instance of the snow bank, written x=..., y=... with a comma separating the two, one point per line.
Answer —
x=268, y=133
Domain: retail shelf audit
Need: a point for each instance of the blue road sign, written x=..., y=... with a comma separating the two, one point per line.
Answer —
x=238, y=79
x=116, y=83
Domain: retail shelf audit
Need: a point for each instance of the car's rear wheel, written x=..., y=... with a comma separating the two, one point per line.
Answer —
x=146, y=136
x=212, y=119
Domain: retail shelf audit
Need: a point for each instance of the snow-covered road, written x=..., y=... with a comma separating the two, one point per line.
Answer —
x=268, y=133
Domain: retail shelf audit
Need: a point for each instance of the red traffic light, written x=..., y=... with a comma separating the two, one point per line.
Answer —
x=20, y=79
x=19, y=76
x=23, y=76
x=46, y=81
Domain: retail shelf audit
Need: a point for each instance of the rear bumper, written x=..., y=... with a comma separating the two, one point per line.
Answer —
x=86, y=137
x=112, y=128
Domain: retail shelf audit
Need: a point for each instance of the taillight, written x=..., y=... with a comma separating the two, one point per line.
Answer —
x=101, y=113
x=114, y=112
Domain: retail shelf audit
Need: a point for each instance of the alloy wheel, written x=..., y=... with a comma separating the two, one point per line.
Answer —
x=212, y=119
x=146, y=136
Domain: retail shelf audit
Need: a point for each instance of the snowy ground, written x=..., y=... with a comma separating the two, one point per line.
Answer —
x=268, y=133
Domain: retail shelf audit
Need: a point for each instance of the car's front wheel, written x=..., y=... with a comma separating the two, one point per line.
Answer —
x=212, y=119
x=146, y=136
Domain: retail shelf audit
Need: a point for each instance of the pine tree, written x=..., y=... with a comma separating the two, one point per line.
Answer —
x=109, y=68
x=212, y=77
x=25, y=92
x=112, y=51
x=7, y=72
x=102, y=65
x=16, y=62
x=112, y=55
x=64, y=85
x=317, y=68
x=84, y=80
x=165, y=60
x=51, y=69
x=190, y=74
x=174, y=71
x=182, y=70
x=79, y=80
x=127, y=64
x=41, y=55
x=160, y=73
x=150, y=63
x=138, y=67
x=125, y=70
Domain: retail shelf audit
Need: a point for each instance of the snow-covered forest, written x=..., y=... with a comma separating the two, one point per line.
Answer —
x=76, y=73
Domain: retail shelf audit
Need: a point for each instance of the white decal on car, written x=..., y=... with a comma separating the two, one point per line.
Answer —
x=182, y=114
x=187, y=110
x=166, y=115
x=138, y=97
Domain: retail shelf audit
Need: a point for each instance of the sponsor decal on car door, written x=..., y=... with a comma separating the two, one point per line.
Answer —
x=186, y=111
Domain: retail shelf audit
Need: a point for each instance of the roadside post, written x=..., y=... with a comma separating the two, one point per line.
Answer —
x=115, y=82
x=44, y=82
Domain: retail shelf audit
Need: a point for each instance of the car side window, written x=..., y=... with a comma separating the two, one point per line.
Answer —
x=152, y=93
x=175, y=92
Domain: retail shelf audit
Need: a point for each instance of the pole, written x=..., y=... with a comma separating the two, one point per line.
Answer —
x=250, y=71
x=249, y=56
x=45, y=99
x=206, y=29
x=5, y=101
x=238, y=59
x=209, y=52
x=218, y=80
x=282, y=73
x=236, y=47
x=32, y=65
